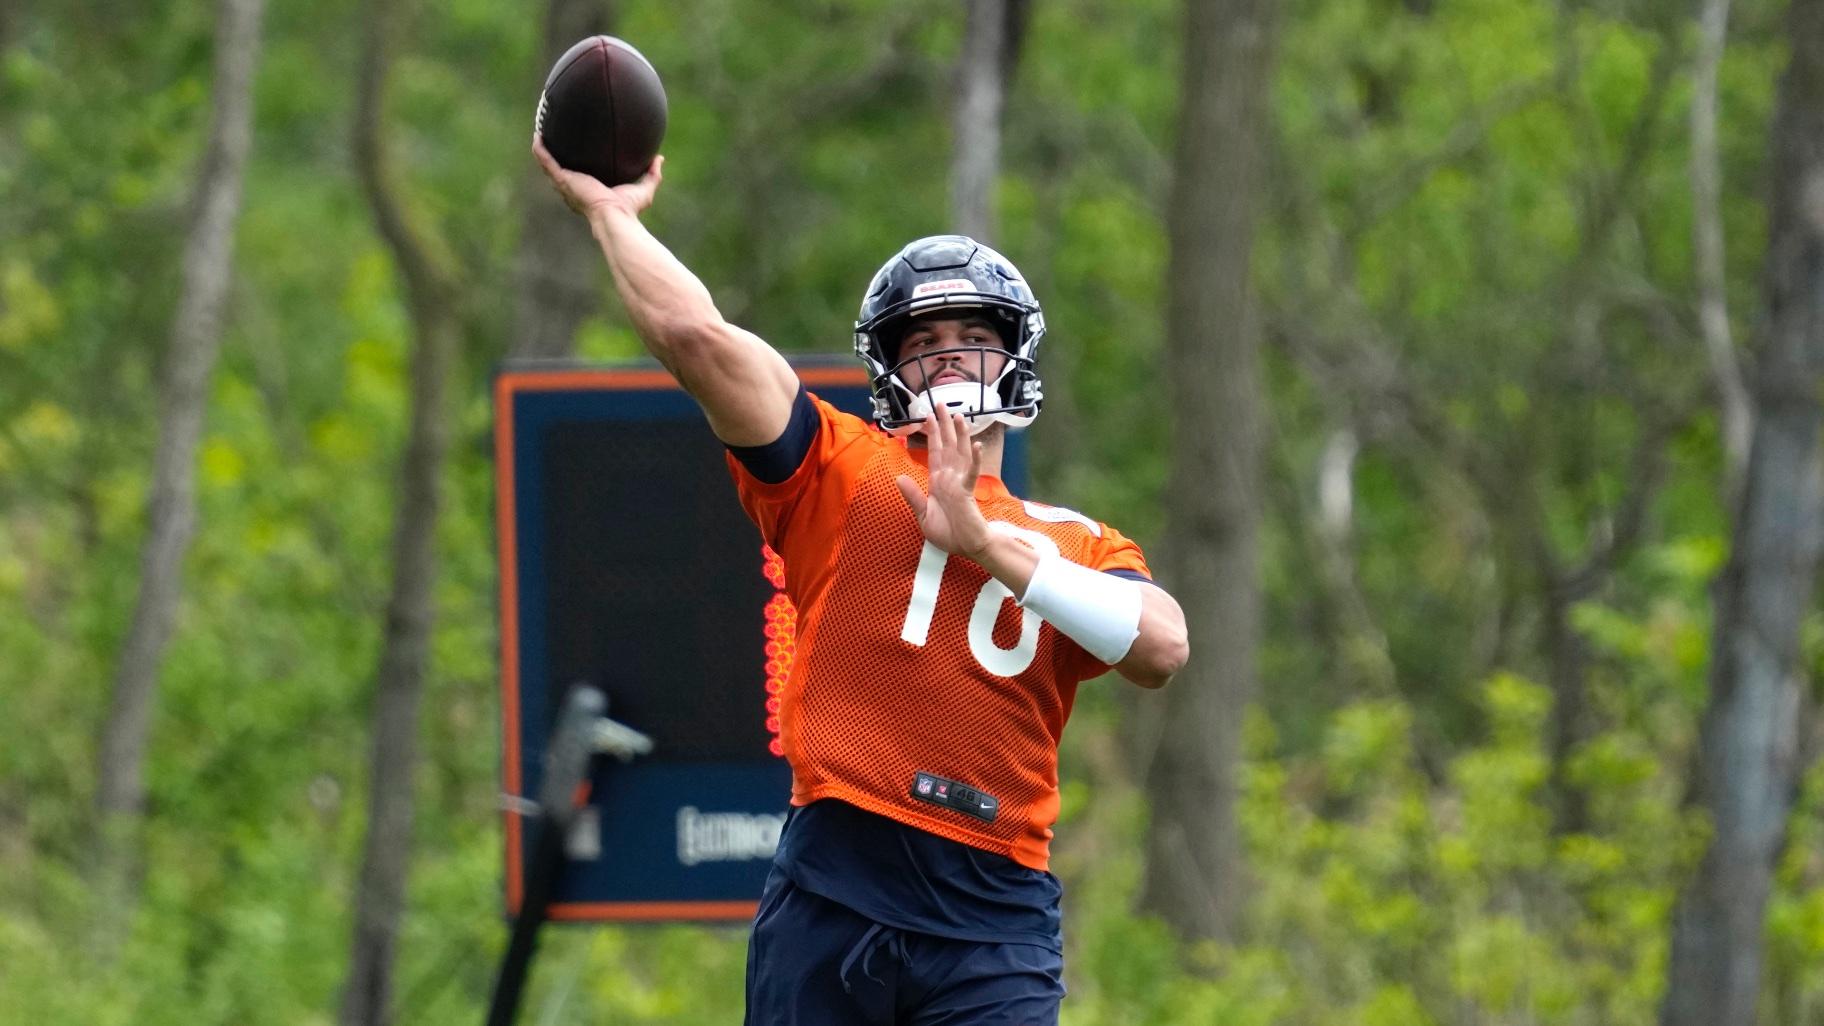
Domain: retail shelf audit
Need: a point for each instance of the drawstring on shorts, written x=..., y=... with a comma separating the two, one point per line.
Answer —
x=877, y=937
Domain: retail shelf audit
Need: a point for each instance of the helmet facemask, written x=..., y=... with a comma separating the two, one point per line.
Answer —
x=983, y=401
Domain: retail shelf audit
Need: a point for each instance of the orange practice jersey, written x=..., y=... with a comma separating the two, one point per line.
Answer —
x=909, y=661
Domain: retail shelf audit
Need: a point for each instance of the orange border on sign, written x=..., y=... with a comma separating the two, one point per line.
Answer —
x=637, y=911
x=507, y=385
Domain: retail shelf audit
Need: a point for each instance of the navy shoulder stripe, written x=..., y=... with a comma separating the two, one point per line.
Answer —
x=780, y=458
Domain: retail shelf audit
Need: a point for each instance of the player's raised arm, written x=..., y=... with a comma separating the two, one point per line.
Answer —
x=744, y=386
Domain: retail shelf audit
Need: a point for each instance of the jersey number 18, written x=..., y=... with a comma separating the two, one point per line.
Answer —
x=1002, y=662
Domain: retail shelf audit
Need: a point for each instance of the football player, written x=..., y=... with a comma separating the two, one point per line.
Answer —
x=944, y=625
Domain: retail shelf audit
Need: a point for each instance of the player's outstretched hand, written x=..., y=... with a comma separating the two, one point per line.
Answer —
x=949, y=517
x=585, y=193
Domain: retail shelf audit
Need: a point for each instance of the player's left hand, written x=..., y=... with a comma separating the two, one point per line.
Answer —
x=949, y=517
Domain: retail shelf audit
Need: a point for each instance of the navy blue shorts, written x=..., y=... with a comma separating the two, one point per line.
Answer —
x=812, y=962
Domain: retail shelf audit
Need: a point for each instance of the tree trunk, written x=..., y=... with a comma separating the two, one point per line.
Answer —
x=1749, y=765
x=1571, y=721
x=425, y=266
x=1707, y=245
x=1195, y=872
x=1359, y=643
x=558, y=270
x=991, y=40
x=196, y=333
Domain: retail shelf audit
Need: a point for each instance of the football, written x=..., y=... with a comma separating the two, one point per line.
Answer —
x=603, y=110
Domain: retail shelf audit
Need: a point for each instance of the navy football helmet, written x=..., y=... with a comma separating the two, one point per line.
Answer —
x=950, y=274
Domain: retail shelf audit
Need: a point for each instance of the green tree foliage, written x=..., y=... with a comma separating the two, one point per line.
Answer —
x=1475, y=258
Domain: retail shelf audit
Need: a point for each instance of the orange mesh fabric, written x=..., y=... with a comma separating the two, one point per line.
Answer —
x=982, y=699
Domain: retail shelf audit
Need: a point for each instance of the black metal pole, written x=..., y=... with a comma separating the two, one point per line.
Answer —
x=566, y=761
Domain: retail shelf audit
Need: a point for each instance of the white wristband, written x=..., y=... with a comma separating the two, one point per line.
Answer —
x=1099, y=611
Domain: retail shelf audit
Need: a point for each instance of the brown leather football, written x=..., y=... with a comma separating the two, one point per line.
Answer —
x=603, y=110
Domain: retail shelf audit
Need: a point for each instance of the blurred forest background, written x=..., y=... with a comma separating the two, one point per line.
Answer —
x=1458, y=361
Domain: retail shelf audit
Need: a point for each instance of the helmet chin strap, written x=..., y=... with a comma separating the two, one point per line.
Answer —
x=963, y=397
